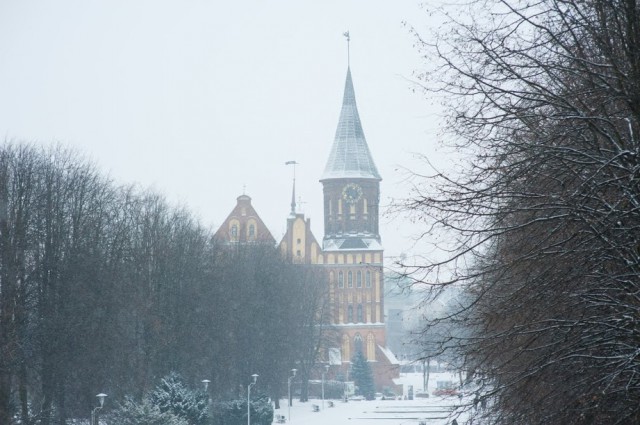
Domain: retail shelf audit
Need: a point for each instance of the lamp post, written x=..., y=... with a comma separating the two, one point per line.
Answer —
x=293, y=371
x=255, y=378
x=205, y=382
x=94, y=412
x=326, y=370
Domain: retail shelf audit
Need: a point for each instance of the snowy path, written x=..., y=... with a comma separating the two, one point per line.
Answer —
x=433, y=411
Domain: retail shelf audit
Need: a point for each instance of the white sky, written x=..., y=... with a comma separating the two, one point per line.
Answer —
x=196, y=99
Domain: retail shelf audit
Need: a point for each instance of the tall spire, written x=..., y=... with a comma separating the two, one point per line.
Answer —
x=293, y=193
x=350, y=156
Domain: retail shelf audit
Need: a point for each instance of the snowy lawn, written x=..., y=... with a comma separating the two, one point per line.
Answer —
x=431, y=411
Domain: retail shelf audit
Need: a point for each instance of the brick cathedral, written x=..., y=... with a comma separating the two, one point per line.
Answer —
x=351, y=254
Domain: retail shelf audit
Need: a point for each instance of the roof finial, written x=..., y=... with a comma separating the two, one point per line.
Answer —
x=346, y=34
x=293, y=194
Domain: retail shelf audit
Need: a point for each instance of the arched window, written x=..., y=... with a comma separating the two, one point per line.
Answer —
x=359, y=279
x=350, y=279
x=340, y=280
x=368, y=279
x=371, y=347
x=234, y=232
x=252, y=232
x=357, y=342
x=346, y=352
x=350, y=314
x=359, y=313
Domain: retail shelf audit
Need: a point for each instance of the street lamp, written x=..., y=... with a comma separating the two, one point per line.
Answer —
x=326, y=370
x=255, y=378
x=293, y=371
x=94, y=412
x=205, y=382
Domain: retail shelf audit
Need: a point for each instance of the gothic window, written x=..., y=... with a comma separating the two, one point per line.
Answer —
x=346, y=352
x=252, y=232
x=234, y=232
x=368, y=279
x=350, y=279
x=350, y=314
x=357, y=342
x=371, y=347
x=359, y=279
x=359, y=313
x=340, y=280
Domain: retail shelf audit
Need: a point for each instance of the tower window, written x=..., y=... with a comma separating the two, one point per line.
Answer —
x=252, y=231
x=368, y=279
x=360, y=313
x=350, y=314
x=359, y=279
x=234, y=232
x=340, y=280
x=350, y=279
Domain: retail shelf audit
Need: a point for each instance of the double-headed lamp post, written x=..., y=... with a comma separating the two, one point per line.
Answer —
x=326, y=370
x=293, y=375
x=255, y=379
x=101, y=398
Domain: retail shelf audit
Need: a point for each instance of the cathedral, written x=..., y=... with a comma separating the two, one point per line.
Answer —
x=351, y=253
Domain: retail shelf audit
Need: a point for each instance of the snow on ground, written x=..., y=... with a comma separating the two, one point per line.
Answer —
x=432, y=411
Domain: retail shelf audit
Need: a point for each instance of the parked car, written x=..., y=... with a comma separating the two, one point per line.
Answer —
x=445, y=392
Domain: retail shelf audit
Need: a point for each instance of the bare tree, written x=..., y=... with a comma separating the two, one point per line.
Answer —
x=543, y=99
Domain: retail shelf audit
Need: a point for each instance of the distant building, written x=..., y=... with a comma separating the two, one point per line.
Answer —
x=404, y=313
x=351, y=254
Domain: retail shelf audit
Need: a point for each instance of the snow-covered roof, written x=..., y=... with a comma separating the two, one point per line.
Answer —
x=389, y=354
x=350, y=156
x=352, y=244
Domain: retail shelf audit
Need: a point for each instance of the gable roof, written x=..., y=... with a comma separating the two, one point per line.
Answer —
x=242, y=216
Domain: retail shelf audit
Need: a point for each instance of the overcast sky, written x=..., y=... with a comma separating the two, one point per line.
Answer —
x=199, y=99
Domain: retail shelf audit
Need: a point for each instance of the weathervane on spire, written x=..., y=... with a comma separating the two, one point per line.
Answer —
x=293, y=194
x=346, y=34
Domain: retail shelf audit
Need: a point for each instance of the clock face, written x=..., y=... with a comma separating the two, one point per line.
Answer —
x=352, y=193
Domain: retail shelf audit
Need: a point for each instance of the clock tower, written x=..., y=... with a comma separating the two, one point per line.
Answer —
x=352, y=249
x=351, y=183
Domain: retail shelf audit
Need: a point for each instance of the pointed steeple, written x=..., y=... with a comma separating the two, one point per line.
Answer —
x=293, y=192
x=350, y=156
x=293, y=199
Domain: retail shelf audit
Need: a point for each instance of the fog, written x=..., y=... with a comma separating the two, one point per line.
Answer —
x=202, y=101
